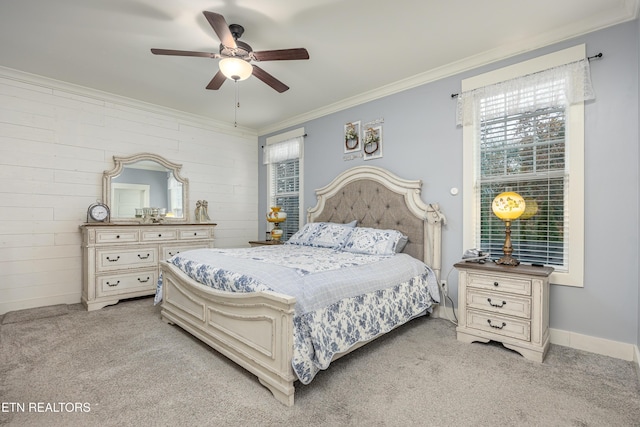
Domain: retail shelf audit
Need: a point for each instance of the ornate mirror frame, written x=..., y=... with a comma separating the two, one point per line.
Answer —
x=122, y=161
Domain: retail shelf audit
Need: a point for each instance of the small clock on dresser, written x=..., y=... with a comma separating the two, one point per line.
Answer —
x=98, y=212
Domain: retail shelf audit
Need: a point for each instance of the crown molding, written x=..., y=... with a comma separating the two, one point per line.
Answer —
x=49, y=85
x=629, y=12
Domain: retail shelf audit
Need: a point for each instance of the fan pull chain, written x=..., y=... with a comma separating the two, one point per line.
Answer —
x=237, y=105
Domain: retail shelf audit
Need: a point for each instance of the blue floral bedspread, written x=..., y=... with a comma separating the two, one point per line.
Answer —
x=342, y=298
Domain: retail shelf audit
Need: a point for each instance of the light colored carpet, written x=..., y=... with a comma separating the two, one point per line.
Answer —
x=128, y=367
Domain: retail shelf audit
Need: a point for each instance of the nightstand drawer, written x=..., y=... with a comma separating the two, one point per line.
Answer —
x=499, y=283
x=117, y=259
x=500, y=325
x=499, y=303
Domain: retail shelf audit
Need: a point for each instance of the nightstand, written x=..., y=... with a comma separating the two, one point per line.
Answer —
x=505, y=304
x=265, y=242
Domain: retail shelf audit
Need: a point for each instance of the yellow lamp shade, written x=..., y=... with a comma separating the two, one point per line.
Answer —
x=508, y=205
x=276, y=215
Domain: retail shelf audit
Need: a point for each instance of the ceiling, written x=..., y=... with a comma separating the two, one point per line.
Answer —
x=359, y=49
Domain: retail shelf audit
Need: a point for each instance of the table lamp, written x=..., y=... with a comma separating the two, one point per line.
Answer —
x=508, y=206
x=276, y=216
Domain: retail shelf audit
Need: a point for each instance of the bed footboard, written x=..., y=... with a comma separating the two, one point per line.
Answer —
x=255, y=330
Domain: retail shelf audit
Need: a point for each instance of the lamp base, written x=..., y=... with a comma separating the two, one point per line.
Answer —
x=276, y=232
x=508, y=260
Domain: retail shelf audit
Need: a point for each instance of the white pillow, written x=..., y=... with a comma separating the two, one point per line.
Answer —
x=373, y=241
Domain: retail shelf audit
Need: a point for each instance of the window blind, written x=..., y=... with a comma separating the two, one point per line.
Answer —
x=285, y=190
x=525, y=152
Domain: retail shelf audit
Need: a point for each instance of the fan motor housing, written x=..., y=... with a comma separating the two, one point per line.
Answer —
x=241, y=51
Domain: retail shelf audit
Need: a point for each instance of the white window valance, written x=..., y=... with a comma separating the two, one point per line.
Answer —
x=281, y=151
x=568, y=84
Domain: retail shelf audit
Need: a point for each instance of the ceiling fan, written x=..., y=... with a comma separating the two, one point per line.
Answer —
x=235, y=56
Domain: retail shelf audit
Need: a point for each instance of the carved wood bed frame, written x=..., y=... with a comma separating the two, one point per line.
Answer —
x=255, y=330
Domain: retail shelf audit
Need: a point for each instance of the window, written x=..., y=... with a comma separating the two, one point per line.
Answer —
x=283, y=157
x=522, y=125
x=285, y=192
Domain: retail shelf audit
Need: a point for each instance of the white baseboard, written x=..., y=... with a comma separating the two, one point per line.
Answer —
x=637, y=360
x=619, y=350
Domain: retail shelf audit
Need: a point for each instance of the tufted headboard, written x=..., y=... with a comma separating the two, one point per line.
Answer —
x=379, y=199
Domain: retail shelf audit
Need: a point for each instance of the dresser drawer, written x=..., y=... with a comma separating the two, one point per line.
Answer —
x=170, y=251
x=118, y=284
x=499, y=303
x=117, y=236
x=500, y=283
x=119, y=258
x=159, y=235
x=194, y=234
x=499, y=325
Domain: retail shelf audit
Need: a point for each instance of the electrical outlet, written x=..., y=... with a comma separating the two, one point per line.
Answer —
x=445, y=288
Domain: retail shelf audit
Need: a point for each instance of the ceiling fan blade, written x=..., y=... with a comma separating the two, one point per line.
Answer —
x=281, y=54
x=184, y=53
x=216, y=81
x=221, y=28
x=269, y=79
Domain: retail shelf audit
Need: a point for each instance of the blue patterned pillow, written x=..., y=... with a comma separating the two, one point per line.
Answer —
x=322, y=234
x=330, y=235
x=373, y=241
x=304, y=235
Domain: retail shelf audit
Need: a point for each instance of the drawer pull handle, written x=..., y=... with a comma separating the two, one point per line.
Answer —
x=143, y=257
x=159, y=235
x=496, y=305
x=118, y=236
x=195, y=234
x=113, y=284
x=172, y=254
x=496, y=326
x=496, y=284
x=113, y=260
x=143, y=281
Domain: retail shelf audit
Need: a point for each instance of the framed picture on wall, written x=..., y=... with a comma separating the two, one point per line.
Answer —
x=352, y=137
x=372, y=142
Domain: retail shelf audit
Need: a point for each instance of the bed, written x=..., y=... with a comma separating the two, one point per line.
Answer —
x=257, y=329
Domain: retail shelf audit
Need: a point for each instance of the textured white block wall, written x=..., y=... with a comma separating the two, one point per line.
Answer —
x=55, y=142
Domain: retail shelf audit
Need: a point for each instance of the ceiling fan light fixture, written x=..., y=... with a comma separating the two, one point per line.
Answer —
x=235, y=68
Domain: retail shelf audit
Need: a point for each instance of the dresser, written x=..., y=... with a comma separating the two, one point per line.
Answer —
x=505, y=304
x=122, y=261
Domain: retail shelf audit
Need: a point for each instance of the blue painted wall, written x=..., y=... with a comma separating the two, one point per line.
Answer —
x=421, y=141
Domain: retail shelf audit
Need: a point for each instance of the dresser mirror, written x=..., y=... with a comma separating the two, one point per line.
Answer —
x=146, y=188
